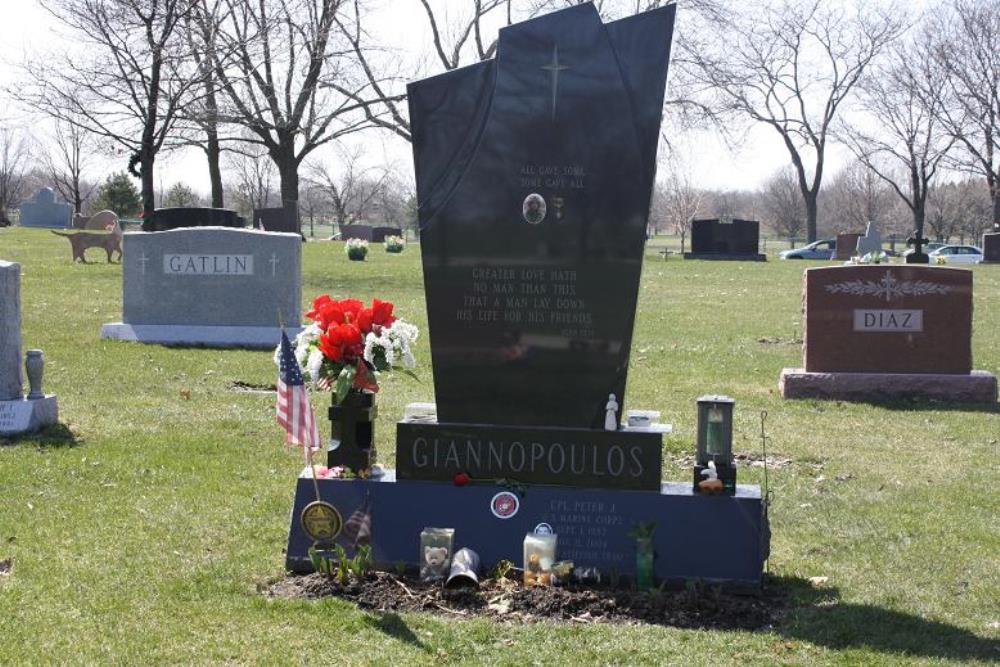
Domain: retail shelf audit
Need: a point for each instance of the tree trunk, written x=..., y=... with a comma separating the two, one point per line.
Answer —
x=77, y=196
x=919, y=215
x=996, y=209
x=146, y=160
x=811, y=215
x=213, y=152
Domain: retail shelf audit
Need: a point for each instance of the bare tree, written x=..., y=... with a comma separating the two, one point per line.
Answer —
x=201, y=28
x=126, y=82
x=790, y=65
x=389, y=207
x=15, y=151
x=783, y=206
x=900, y=137
x=312, y=203
x=854, y=197
x=961, y=208
x=271, y=59
x=254, y=179
x=465, y=33
x=71, y=152
x=966, y=44
x=677, y=200
x=458, y=38
x=352, y=188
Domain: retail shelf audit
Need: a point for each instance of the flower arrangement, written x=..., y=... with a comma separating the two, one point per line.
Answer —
x=940, y=259
x=871, y=258
x=356, y=249
x=348, y=345
x=394, y=244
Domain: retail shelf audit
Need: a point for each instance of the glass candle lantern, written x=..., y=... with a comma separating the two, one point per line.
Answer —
x=539, y=557
x=644, y=563
x=715, y=429
x=435, y=553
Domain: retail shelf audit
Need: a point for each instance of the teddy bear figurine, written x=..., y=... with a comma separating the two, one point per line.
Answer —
x=435, y=565
x=536, y=574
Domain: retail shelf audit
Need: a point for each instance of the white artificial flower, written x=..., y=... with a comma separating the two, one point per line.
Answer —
x=314, y=363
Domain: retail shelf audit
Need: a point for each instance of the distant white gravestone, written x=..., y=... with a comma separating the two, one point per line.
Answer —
x=17, y=414
x=209, y=286
x=871, y=241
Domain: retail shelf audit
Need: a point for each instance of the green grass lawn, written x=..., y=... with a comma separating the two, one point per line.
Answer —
x=143, y=530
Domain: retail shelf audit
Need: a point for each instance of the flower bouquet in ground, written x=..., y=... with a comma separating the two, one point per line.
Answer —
x=356, y=249
x=394, y=244
x=343, y=351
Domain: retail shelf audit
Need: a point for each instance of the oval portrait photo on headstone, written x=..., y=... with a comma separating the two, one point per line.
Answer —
x=533, y=209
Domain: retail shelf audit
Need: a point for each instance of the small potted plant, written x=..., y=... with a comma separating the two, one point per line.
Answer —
x=356, y=249
x=394, y=244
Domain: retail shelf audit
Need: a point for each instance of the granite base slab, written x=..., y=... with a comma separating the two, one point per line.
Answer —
x=978, y=387
x=27, y=416
x=726, y=257
x=712, y=538
x=257, y=338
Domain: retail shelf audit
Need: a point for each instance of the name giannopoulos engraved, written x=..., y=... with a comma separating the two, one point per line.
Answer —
x=899, y=321
x=502, y=458
x=208, y=265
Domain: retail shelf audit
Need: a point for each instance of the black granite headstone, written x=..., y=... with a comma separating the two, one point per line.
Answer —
x=279, y=219
x=164, y=219
x=715, y=239
x=379, y=233
x=534, y=173
x=363, y=232
x=991, y=248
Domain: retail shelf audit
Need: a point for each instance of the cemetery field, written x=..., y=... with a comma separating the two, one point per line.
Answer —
x=145, y=529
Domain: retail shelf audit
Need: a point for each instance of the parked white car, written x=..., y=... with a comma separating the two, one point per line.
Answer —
x=957, y=254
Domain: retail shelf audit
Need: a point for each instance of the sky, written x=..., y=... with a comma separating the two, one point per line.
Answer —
x=25, y=27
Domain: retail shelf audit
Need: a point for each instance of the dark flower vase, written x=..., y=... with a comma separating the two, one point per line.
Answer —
x=352, y=443
x=357, y=255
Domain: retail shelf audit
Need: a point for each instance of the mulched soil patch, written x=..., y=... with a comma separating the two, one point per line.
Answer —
x=505, y=599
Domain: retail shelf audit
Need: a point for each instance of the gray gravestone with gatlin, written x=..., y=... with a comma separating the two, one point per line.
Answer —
x=44, y=211
x=17, y=414
x=209, y=286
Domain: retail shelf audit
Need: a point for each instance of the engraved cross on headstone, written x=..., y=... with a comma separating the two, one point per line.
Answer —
x=143, y=260
x=554, y=68
x=274, y=263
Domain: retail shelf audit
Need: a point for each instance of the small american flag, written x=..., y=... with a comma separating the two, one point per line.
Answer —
x=294, y=411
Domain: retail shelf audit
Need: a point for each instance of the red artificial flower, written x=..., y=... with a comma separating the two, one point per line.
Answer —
x=365, y=320
x=318, y=304
x=461, y=479
x=382, y=313
x=327, y=312
x=341, y=342
x=351, y=308
x=376, y=317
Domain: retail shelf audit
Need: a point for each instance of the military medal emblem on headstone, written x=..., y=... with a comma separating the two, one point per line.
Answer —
x=321, y=521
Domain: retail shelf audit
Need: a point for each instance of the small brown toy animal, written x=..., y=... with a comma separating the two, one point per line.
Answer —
x=80, y=241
